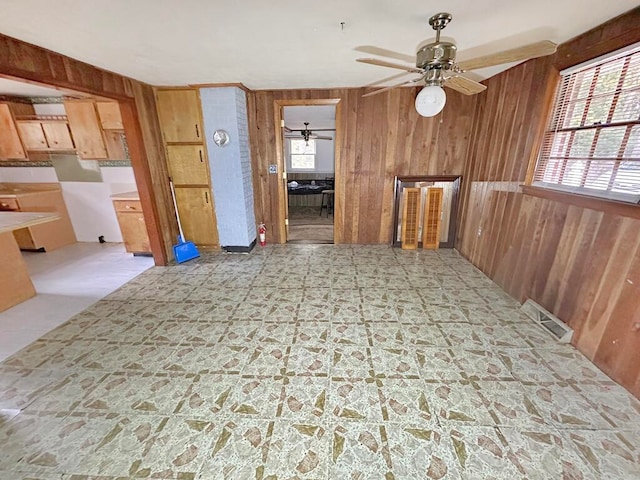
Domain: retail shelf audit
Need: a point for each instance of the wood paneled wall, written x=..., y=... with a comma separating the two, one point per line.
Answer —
x=24, y=61
x=581, y=264
x=382, y=136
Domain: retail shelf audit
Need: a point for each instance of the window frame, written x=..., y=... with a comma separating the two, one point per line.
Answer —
x=310, y=142
x=553, y=124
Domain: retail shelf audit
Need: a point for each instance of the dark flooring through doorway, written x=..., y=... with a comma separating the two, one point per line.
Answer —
x=310, y=225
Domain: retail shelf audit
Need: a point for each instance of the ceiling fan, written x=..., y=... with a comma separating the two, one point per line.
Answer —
x=436, y=64
x=306, y=134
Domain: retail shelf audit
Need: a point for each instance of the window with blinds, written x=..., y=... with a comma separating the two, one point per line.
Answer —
x=592, y=143
x=303, y=154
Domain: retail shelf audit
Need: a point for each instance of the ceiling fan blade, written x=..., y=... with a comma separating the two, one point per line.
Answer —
x=383, y=52
x=382, y=63
x=287, y=129
x=375, y=92
x=533, y=50
x=321, y=137
x=464, y=85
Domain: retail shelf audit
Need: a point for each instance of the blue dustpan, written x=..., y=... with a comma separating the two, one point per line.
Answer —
x=183, y=251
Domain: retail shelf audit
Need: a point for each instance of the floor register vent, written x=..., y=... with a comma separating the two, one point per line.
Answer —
x=549, y=321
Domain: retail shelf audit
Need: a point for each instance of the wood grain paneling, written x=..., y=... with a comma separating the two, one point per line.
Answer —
x=580, y=263
x=28, y=62
x=381, y=136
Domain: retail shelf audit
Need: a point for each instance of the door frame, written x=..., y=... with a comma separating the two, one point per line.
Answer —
x=338, y=203
x=32, y=64
x=397, y=192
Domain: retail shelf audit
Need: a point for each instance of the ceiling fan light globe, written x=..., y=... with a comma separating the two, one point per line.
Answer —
x=430, y=101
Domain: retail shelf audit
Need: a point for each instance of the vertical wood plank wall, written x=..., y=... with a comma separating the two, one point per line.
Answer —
x=583, y=265
x=382, y=137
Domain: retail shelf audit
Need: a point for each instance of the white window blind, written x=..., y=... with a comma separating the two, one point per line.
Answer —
x=592, y=143
x=303, y=154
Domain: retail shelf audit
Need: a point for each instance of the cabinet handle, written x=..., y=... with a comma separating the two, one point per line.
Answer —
x=4, y=204
x=200, y=152
x=206, y=197
x=129, y=207
x=197, y=131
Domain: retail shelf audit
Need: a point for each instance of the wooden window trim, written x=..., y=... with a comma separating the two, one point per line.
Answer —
x=611, y=207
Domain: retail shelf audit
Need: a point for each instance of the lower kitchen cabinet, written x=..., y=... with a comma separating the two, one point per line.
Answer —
x=38, y=197
x=195, y=207
x=131, y=222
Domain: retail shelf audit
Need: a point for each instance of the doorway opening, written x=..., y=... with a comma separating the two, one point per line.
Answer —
x=64, y=156
x=309, y=165
x=416, y=222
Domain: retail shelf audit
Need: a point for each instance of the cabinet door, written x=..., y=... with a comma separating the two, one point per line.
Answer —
x=188, y=164
x=10, y=144
x=195, y=207
x=58, y=135
x=179, y=113
x=109, y=113
x=32, y=135
x=134, y=232
x=85, y=127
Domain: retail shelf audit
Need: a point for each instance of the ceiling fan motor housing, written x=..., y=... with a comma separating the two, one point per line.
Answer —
x=437, y=55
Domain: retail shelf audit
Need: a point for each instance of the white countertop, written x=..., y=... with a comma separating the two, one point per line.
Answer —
x=10, y=221
x=126, y=196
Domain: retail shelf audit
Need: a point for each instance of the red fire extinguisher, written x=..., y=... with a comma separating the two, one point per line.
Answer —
x=262, y=231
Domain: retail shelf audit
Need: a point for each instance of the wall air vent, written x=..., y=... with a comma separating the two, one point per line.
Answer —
x=550, y=322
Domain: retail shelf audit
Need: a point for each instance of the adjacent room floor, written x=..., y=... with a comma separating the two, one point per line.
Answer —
x=67, y=281
x=310, y=225
x=314, y=362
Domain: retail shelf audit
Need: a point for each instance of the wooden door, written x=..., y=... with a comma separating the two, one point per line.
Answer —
x=179, y=113
x=109, y=114
x=188, y=164
x=10, y=144
x=85, y=127
x=410, y=220
x=432, y=218
x=32, y=135
x=195, y=207
x=58, y=135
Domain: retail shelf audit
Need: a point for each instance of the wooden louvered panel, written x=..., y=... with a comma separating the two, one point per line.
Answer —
x=432, y=216
x=410, y=212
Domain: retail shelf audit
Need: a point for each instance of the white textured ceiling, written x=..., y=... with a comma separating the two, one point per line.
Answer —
x=318, y=116
x=282, y=43
x=22, y=89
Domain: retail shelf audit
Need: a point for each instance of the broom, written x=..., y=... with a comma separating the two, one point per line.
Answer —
x=183, y=250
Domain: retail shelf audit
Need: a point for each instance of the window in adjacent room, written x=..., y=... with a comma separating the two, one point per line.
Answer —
x=592, y=143
x=303, y=154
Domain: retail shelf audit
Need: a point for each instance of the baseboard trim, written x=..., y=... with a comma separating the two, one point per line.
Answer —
x=239, y=249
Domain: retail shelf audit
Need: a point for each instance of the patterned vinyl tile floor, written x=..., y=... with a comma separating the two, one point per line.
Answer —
x=311, y=362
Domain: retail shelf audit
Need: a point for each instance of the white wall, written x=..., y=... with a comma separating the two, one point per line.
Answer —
x=90, y=208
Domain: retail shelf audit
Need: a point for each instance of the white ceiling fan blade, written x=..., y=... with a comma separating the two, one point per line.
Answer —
x=526, y=52
x=382, y=63
x=383, y=52
x=321, y=137
x=415, y=80
x=464, y=85
x=287, y=129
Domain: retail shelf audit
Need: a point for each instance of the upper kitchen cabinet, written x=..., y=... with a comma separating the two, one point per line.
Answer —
x=10, y=144
x=179, y=113
x=86, y=129
x=45, y=135
x=109, y=113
